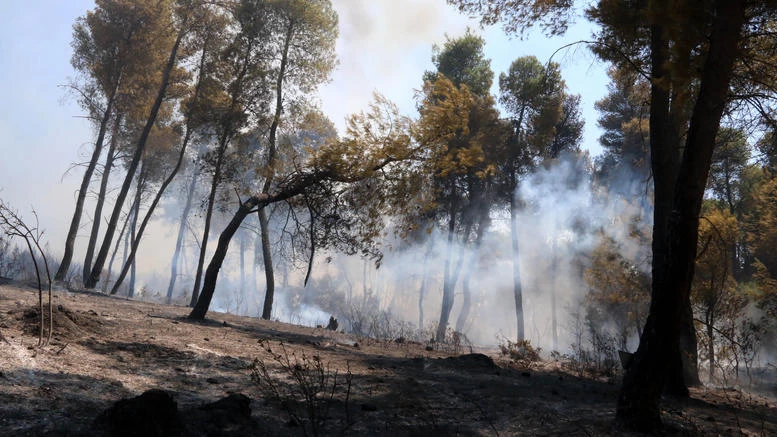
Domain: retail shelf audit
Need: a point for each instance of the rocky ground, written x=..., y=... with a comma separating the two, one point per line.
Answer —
x=244, y=376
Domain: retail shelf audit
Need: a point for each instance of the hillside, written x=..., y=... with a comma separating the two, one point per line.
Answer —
x=105, y=349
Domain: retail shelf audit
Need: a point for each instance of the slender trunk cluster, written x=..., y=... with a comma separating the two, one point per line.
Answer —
x=94, y=276
x=75, y=223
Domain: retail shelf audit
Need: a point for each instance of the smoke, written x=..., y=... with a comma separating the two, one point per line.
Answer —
x=564, y=218
x=383, y=47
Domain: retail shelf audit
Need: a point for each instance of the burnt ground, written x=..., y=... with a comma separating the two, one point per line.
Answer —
x=304, y=381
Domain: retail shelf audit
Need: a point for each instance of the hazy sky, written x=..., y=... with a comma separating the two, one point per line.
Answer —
x=384, y=46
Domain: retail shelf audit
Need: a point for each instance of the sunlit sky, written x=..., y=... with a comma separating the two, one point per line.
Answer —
x=384, y=46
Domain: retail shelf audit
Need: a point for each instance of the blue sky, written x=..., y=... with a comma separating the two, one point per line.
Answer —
x=385, y=46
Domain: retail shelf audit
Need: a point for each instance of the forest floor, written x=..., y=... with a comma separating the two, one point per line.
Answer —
x=105, y=349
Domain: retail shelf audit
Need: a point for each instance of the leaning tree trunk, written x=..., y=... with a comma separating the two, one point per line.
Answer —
x=211, y=274
x=151, y=208
x=116, y=249
x=70, y=240
x=141, y=146
x=98, y=209
x=639, y=399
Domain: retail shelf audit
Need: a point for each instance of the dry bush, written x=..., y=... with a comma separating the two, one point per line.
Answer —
x=520, y=353
x=304, y=386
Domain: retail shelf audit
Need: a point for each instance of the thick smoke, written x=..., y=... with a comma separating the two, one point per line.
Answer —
x=565, y=216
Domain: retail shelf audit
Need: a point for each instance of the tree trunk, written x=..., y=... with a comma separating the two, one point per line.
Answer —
x=422, y=289
x=116, y=248
x=151, y=208
x=111, y=229
x=211, y=274
x=182, y=225
x=553, y=283
x=711, y=343
x=222, y=150
x=517, y=292
x=450, y=278
x=242, y=291
x=638, y=402
x=98, y=209
x=269, y=274
x=70, y=240
x=130, y=259
x=466, y=303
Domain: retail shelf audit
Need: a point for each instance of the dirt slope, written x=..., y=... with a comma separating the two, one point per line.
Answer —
x=105, y=349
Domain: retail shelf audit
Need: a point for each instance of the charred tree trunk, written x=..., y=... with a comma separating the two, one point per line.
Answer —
x=141, y=146
x=98, y=209
x=70, y=240
x=638, y=402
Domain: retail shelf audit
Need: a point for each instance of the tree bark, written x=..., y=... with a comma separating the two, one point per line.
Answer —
x=111, y=229
x=98, y=209
x=638, y=401
x=269, y=274
x=70, y=240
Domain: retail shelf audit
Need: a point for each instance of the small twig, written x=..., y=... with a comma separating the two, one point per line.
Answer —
x=2, y=337
x=61, y=349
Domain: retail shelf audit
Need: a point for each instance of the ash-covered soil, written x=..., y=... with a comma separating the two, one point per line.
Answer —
x=299, y=380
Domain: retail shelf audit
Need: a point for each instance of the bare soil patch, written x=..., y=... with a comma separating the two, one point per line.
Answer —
x=105, y=349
